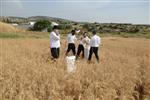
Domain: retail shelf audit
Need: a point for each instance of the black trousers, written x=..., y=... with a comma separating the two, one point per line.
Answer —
x=71, y=46
x=95, y=51
x=80, y=49
x=55, y=52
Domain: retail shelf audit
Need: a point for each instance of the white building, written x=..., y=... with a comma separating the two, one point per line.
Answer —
x=14, y=24
x=54, y=24
x=31, y=23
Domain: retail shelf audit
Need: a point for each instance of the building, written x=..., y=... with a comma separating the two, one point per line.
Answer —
x=32, y=23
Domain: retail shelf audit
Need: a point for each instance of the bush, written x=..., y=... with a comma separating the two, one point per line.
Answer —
x=62, y=26
x=49, y=29
x=86, y=26
x=68, y=26
x=65, y=26
x=133, y=29
x=40, y=25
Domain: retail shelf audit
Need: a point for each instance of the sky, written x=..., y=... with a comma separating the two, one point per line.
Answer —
x=102, y=11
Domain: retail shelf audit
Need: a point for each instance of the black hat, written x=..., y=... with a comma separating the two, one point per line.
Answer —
x=55, y=27
x=94, y=31
x=73, y=31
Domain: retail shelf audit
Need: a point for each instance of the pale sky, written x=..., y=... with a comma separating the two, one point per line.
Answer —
x=103, y=11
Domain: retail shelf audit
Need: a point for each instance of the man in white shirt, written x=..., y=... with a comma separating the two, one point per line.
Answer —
x=71, y=38
x=94, y=46
x=55, y=43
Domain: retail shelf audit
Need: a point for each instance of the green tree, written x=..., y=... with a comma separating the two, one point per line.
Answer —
x=62, y=26
x=65, y=26
x=68, y=26
x=86, y=26
x=133, y=29
x=41, y=24
x=49, y=29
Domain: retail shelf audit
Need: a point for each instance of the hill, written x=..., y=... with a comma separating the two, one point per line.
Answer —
x=12, y=19
x=110, y=28
x=4, y=27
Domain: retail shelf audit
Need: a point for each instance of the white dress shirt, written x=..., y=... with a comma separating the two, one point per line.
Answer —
x=81, y=40
x=71, y=38
x=54, y=40
x=95, y=41
x=86, y=42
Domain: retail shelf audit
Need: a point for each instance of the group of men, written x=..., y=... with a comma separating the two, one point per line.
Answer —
x=87, y=45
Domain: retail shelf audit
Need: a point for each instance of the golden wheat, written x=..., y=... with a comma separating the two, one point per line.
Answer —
x=27, y=72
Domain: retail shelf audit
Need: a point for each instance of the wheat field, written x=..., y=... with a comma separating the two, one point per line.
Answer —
x=27, y=72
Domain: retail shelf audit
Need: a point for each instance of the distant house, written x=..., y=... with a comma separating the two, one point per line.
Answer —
x=31, y=23
x=14, y=24
x=54, y=24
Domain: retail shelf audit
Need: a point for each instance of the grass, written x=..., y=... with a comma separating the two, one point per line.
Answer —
x=127, y=35
x=27, y=72
x=32, y=34
x=22, y=35
x=11, y=35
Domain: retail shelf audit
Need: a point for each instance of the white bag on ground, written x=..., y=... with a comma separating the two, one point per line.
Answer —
x=86, y=52
x=71, y=64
